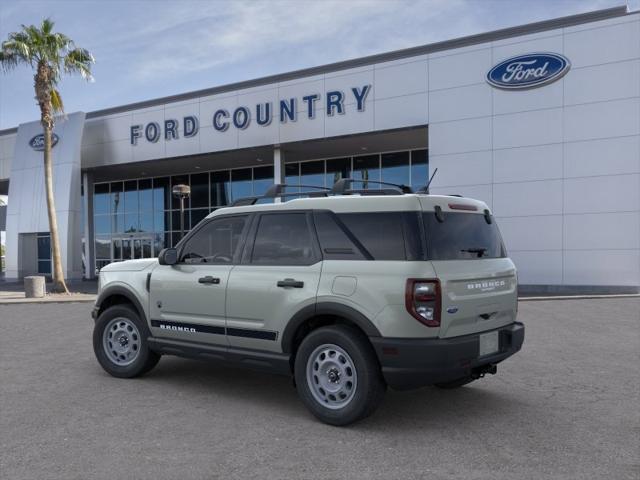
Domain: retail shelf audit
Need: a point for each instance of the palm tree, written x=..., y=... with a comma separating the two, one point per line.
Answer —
x=50, y=55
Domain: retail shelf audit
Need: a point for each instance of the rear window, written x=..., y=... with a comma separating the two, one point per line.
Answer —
x=462, y=236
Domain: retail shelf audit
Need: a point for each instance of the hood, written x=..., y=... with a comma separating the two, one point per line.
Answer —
x=130, y=265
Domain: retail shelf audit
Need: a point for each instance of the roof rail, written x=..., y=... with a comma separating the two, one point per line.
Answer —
x=277, y=190
x=343, y=185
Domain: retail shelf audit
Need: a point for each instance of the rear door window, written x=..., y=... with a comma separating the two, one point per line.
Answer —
x=462, y=236
x=284, y=239
x=385, y=235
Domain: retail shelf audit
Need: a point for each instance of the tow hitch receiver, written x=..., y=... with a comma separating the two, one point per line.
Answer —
x=479, y=372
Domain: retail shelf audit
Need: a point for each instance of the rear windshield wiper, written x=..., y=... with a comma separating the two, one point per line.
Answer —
x=478, y=251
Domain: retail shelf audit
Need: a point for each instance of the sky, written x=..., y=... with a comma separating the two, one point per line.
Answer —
x=147, y=49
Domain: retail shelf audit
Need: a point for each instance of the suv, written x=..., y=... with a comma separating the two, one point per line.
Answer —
x=348, y=291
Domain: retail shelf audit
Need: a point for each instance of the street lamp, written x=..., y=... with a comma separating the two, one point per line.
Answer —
x=182, y=192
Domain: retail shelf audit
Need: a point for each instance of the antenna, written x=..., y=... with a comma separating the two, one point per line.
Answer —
x=425, y=189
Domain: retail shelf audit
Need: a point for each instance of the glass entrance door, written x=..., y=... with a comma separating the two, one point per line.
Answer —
x=129, y=248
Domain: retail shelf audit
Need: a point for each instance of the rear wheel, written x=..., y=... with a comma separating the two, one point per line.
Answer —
x=120, y=343
x=338, y=376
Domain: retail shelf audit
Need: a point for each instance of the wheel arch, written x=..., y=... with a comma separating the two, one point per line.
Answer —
x=118, y=295
x=321, y=314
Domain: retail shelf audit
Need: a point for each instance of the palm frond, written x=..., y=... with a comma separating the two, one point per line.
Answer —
x=56, y=101
x=79, y=60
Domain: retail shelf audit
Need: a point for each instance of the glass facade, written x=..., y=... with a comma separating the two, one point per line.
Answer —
x=138, y=218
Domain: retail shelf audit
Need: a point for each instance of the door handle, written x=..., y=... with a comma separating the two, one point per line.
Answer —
x=209, y=280
x=290, y=282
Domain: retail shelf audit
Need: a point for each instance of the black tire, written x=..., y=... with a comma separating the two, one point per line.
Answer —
x=145, y=359
x=460, y=382
x=370, y=386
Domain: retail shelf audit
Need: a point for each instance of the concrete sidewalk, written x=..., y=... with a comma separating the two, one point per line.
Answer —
x=13, y=292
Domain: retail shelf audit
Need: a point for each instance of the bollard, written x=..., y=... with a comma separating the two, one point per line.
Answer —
x=34, y=287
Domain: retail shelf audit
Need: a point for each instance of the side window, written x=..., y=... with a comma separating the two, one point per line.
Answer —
x=336, y=242
x=216, y=242
x=283, y=239
x=381, y=233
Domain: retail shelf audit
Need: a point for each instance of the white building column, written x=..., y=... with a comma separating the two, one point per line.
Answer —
x=87, y=211
x=278, y=167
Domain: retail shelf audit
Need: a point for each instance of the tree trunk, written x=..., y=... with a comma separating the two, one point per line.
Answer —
x=59, y=284
x=43, y=95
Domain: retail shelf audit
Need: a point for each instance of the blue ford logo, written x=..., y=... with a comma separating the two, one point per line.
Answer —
x=37, y=142
x=528, y=71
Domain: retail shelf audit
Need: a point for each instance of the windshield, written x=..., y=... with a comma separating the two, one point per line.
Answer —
x=462, y=236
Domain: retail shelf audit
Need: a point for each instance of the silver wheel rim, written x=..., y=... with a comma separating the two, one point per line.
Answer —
x=121, y=341
x=331, y=376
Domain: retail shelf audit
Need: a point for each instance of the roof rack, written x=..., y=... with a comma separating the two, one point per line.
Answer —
x=342, y=187
x=277, y=190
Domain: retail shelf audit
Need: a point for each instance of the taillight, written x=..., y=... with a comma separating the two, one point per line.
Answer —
x=422, y=298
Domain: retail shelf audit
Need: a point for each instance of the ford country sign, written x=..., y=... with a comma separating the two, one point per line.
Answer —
x=528, y=71
x=37, y=142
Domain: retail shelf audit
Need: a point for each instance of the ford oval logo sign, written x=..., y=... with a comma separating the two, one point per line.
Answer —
x=37, y=142
x=528, y=71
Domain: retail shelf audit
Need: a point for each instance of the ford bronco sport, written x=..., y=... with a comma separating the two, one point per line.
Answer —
x=349, y=291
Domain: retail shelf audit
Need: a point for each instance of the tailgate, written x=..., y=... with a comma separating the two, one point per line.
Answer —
x=477, y=295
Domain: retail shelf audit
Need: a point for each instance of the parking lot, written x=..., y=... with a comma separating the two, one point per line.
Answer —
x=566, y=407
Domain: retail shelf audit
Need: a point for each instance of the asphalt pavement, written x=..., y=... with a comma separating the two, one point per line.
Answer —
x=566, y=407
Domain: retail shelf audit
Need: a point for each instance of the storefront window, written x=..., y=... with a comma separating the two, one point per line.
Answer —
x=200, y=190
x=395, y=168
x=337, y=169
x=220, y=188
x=241, y=183
x=101, y=198
x=262, y=179
x=312, y=173
x=419, y=168
x=366, y=168
x=161, y=194
x=292, y=176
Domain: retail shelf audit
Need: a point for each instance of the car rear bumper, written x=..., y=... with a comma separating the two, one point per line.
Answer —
x=412, y=363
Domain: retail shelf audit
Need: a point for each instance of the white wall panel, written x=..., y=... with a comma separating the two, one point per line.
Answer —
x=527, y=198
x=527, y=128
x=602, y=267
x=352, y=121
x=460, y=103
x=614, y=193
x=407, y=111
x=609, y=156
x=212, y=140
x=304, y=128
x=182, y=145
x=460, y=136
x=118, y=127
x=550, y=41
x=507, y=101
x=538, y=268
x=403, y=79
x=595, y=231
x=460, y=69
x=540, y=162
x=602, y=82
x=531, y=233
x=601, y=120
x=470, y=168
x=344, y=82
x=117, y=152
x=603, y=45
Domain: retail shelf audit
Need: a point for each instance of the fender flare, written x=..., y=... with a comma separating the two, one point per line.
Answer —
x=123, y=291
x=326, y=308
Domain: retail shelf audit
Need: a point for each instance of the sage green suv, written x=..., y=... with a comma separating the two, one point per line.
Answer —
x=348, y=291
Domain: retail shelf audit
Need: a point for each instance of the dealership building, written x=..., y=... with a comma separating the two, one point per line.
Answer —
x=540, y=121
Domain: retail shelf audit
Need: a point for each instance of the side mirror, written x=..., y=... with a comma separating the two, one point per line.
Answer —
x=168, y=256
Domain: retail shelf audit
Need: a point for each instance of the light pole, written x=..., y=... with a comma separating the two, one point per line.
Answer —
x=182, y=192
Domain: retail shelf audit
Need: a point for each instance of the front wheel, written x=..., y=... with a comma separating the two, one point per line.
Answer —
x=338, y=376
x=120, y=343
